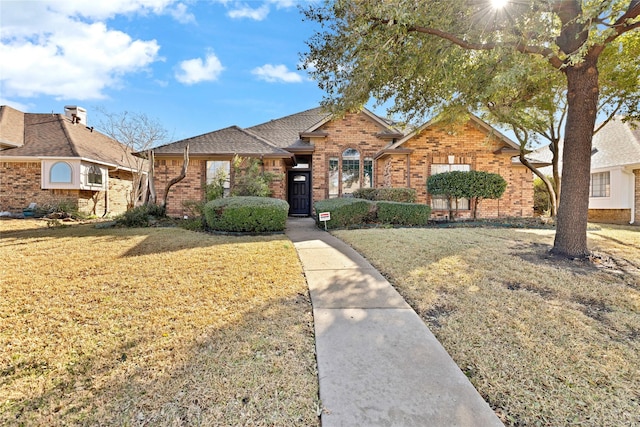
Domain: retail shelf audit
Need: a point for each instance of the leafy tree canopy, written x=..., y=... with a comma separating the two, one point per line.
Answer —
x=430, y=56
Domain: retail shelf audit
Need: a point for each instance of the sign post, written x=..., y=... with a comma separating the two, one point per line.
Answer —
x=324, y=217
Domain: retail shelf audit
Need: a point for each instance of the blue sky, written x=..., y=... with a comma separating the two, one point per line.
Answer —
x=195, y=66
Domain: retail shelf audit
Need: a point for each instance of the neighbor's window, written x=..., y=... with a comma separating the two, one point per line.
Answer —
x=439, y=203
x=600, y=184
x=94, y=175
x=334, y=177
x=350, y=171
x=60, y=172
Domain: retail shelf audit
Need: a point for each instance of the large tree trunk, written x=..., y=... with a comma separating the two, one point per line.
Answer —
x=582, y=101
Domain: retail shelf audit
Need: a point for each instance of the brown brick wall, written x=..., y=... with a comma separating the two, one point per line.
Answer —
x=191, y=188
x=610, y=216
x=20, y=185
x=119, y=191
x=352, y=131
x=470, y=146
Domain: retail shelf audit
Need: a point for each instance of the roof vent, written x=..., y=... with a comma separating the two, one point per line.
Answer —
x=75, y=114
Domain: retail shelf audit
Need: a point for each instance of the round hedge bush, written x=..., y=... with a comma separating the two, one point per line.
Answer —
x=247, y=214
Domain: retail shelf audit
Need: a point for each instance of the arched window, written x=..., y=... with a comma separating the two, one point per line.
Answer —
x=60, y=172
x=94, y=175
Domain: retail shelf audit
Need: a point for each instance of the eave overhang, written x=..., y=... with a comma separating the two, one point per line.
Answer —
x=392, y=152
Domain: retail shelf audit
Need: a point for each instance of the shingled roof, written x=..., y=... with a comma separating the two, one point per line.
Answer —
x=54, y=135
x=224, y=142
x=285, y=132
x=616, y=144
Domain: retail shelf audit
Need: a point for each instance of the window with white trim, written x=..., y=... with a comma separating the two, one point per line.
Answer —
x=334, y=177
x=60, y=172
x=600, y=185
x=439, y=203
x=94, y=175
x=348, y=173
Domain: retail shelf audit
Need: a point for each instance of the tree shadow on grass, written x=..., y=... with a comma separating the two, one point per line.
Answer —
x=258, y=370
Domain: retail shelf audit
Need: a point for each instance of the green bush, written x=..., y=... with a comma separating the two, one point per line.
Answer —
x=365, y=193
x=403, y=213
x=140, y=215
x=246, y=214
x=473, y=185
x=249, y=178
x=405, y=195
x=345, y=212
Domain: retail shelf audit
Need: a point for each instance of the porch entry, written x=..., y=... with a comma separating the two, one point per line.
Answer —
x=299, y=197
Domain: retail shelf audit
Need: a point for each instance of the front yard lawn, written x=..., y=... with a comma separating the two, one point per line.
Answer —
x=545, y=341
x=153, y=327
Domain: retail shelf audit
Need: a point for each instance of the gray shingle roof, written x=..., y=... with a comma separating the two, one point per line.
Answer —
x=53, y=135
x=228, y=141
x=285, y=131
x=616, y=144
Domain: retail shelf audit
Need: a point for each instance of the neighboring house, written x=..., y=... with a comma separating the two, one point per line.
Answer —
x=50, y=159
x=614, y=191
x=316, y=156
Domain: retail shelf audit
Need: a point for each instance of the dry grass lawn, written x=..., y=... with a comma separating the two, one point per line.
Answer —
x=545, y=341
x=152, y=327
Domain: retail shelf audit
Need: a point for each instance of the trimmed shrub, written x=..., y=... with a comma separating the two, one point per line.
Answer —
x=403, y=213
x=365, y=193
x=405, y=195
x=246, y=214
x=345, y=212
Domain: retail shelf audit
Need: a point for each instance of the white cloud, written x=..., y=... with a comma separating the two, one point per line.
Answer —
x=17, y=105
x=244, y=11
x=281, y=4
x=180, y=14
x=276, y=73
x=64, y=49
x=196, y=70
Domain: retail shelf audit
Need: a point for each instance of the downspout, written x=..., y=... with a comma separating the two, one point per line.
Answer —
x=408, y=171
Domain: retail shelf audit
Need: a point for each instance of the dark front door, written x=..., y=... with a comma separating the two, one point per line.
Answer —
x=299, y=193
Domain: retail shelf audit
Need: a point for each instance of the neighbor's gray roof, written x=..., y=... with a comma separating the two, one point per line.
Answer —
x=616, y=144
x=224, y=142
x=285, y=131
x=53, y=135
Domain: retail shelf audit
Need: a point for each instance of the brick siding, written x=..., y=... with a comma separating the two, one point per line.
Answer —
x=610, y=216
x=191, y=188
x=20, y=186
x=469, y=146
x=358, y=131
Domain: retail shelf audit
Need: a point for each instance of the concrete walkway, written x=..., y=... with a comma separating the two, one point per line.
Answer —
x=378, y=363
